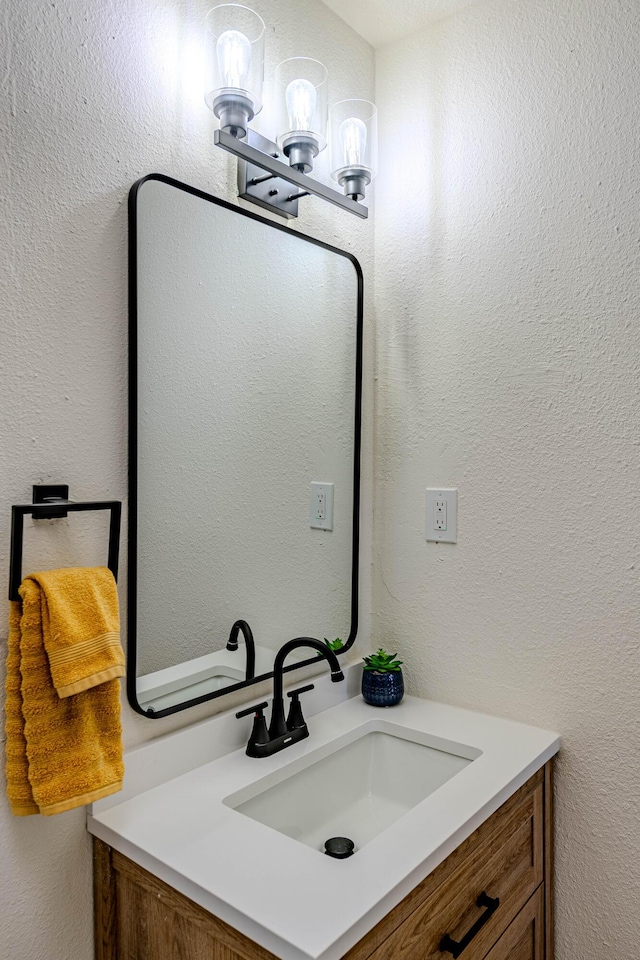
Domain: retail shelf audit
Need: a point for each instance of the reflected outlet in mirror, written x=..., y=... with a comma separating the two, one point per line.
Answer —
x=358, y=789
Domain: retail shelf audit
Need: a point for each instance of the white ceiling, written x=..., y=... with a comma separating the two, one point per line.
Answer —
x=383, y=21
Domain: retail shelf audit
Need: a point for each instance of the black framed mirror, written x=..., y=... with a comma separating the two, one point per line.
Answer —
x=245, y=379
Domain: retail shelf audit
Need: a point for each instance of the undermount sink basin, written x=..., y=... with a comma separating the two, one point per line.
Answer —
x=357, y=790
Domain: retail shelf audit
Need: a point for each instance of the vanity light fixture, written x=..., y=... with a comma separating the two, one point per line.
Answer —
x=273, y=175
x=234, y=42
x=301, y=102
x=354, y=145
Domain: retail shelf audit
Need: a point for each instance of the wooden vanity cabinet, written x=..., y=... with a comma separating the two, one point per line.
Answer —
x=491, y=899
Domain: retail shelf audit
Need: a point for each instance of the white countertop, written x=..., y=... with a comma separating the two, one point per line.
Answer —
x=286, y=896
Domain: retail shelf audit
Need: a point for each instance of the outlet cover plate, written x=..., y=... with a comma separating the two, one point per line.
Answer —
x=321, y=506
x=442, y=515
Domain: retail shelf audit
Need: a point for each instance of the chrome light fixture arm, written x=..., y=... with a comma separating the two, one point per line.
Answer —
x=278, y=197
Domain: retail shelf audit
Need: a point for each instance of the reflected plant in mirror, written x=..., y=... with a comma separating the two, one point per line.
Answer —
x=245, y=392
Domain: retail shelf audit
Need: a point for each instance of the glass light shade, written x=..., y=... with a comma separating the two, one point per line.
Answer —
x=301, y=110
x=353, y=130
x=234, y=56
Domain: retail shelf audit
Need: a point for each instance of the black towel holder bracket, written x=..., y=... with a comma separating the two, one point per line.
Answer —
x=51, y=502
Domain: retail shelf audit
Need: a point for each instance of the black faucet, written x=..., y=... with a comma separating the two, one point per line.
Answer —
x=282, y=733
x=232, y=644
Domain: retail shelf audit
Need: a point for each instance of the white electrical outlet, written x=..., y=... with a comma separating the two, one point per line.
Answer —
x=321, y=509
x=442, y=515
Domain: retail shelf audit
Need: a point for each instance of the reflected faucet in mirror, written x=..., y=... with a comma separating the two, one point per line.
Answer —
x=282, y=733
x=232, y=644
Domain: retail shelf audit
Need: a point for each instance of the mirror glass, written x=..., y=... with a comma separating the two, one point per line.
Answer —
x=245, y=392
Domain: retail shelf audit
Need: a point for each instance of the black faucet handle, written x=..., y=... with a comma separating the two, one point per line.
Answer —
x=295, y=693
x=259, y=733
x=295, y=720
x=257, y=709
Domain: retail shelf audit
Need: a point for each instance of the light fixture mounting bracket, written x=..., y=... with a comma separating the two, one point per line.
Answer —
x=256, y=162
x=266, y=189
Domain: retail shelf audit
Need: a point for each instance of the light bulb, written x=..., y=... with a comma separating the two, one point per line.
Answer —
x=234, y=58
x=300, y=97
x=353, y=140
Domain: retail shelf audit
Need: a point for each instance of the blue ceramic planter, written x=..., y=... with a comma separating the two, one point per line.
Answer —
x=382, y=689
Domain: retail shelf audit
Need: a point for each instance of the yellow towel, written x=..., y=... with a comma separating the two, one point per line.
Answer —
x=64, y=739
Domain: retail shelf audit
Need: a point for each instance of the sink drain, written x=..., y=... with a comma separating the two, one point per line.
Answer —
x=339, y=847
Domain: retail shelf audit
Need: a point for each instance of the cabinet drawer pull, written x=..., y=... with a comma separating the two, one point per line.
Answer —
x=449, y=945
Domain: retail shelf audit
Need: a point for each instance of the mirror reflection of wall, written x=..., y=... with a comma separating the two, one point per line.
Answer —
x=247, y=343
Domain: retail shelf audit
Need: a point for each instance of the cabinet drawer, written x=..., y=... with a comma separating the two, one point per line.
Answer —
x=508, y=866
x=524, y=938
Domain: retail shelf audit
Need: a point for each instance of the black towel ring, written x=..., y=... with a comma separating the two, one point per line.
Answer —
x=50, y=502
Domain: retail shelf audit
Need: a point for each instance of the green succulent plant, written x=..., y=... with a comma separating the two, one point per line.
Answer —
x=382, y=662
x=334, y=645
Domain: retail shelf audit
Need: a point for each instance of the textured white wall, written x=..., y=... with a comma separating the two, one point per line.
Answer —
x=96, y=95
x=508, y=361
